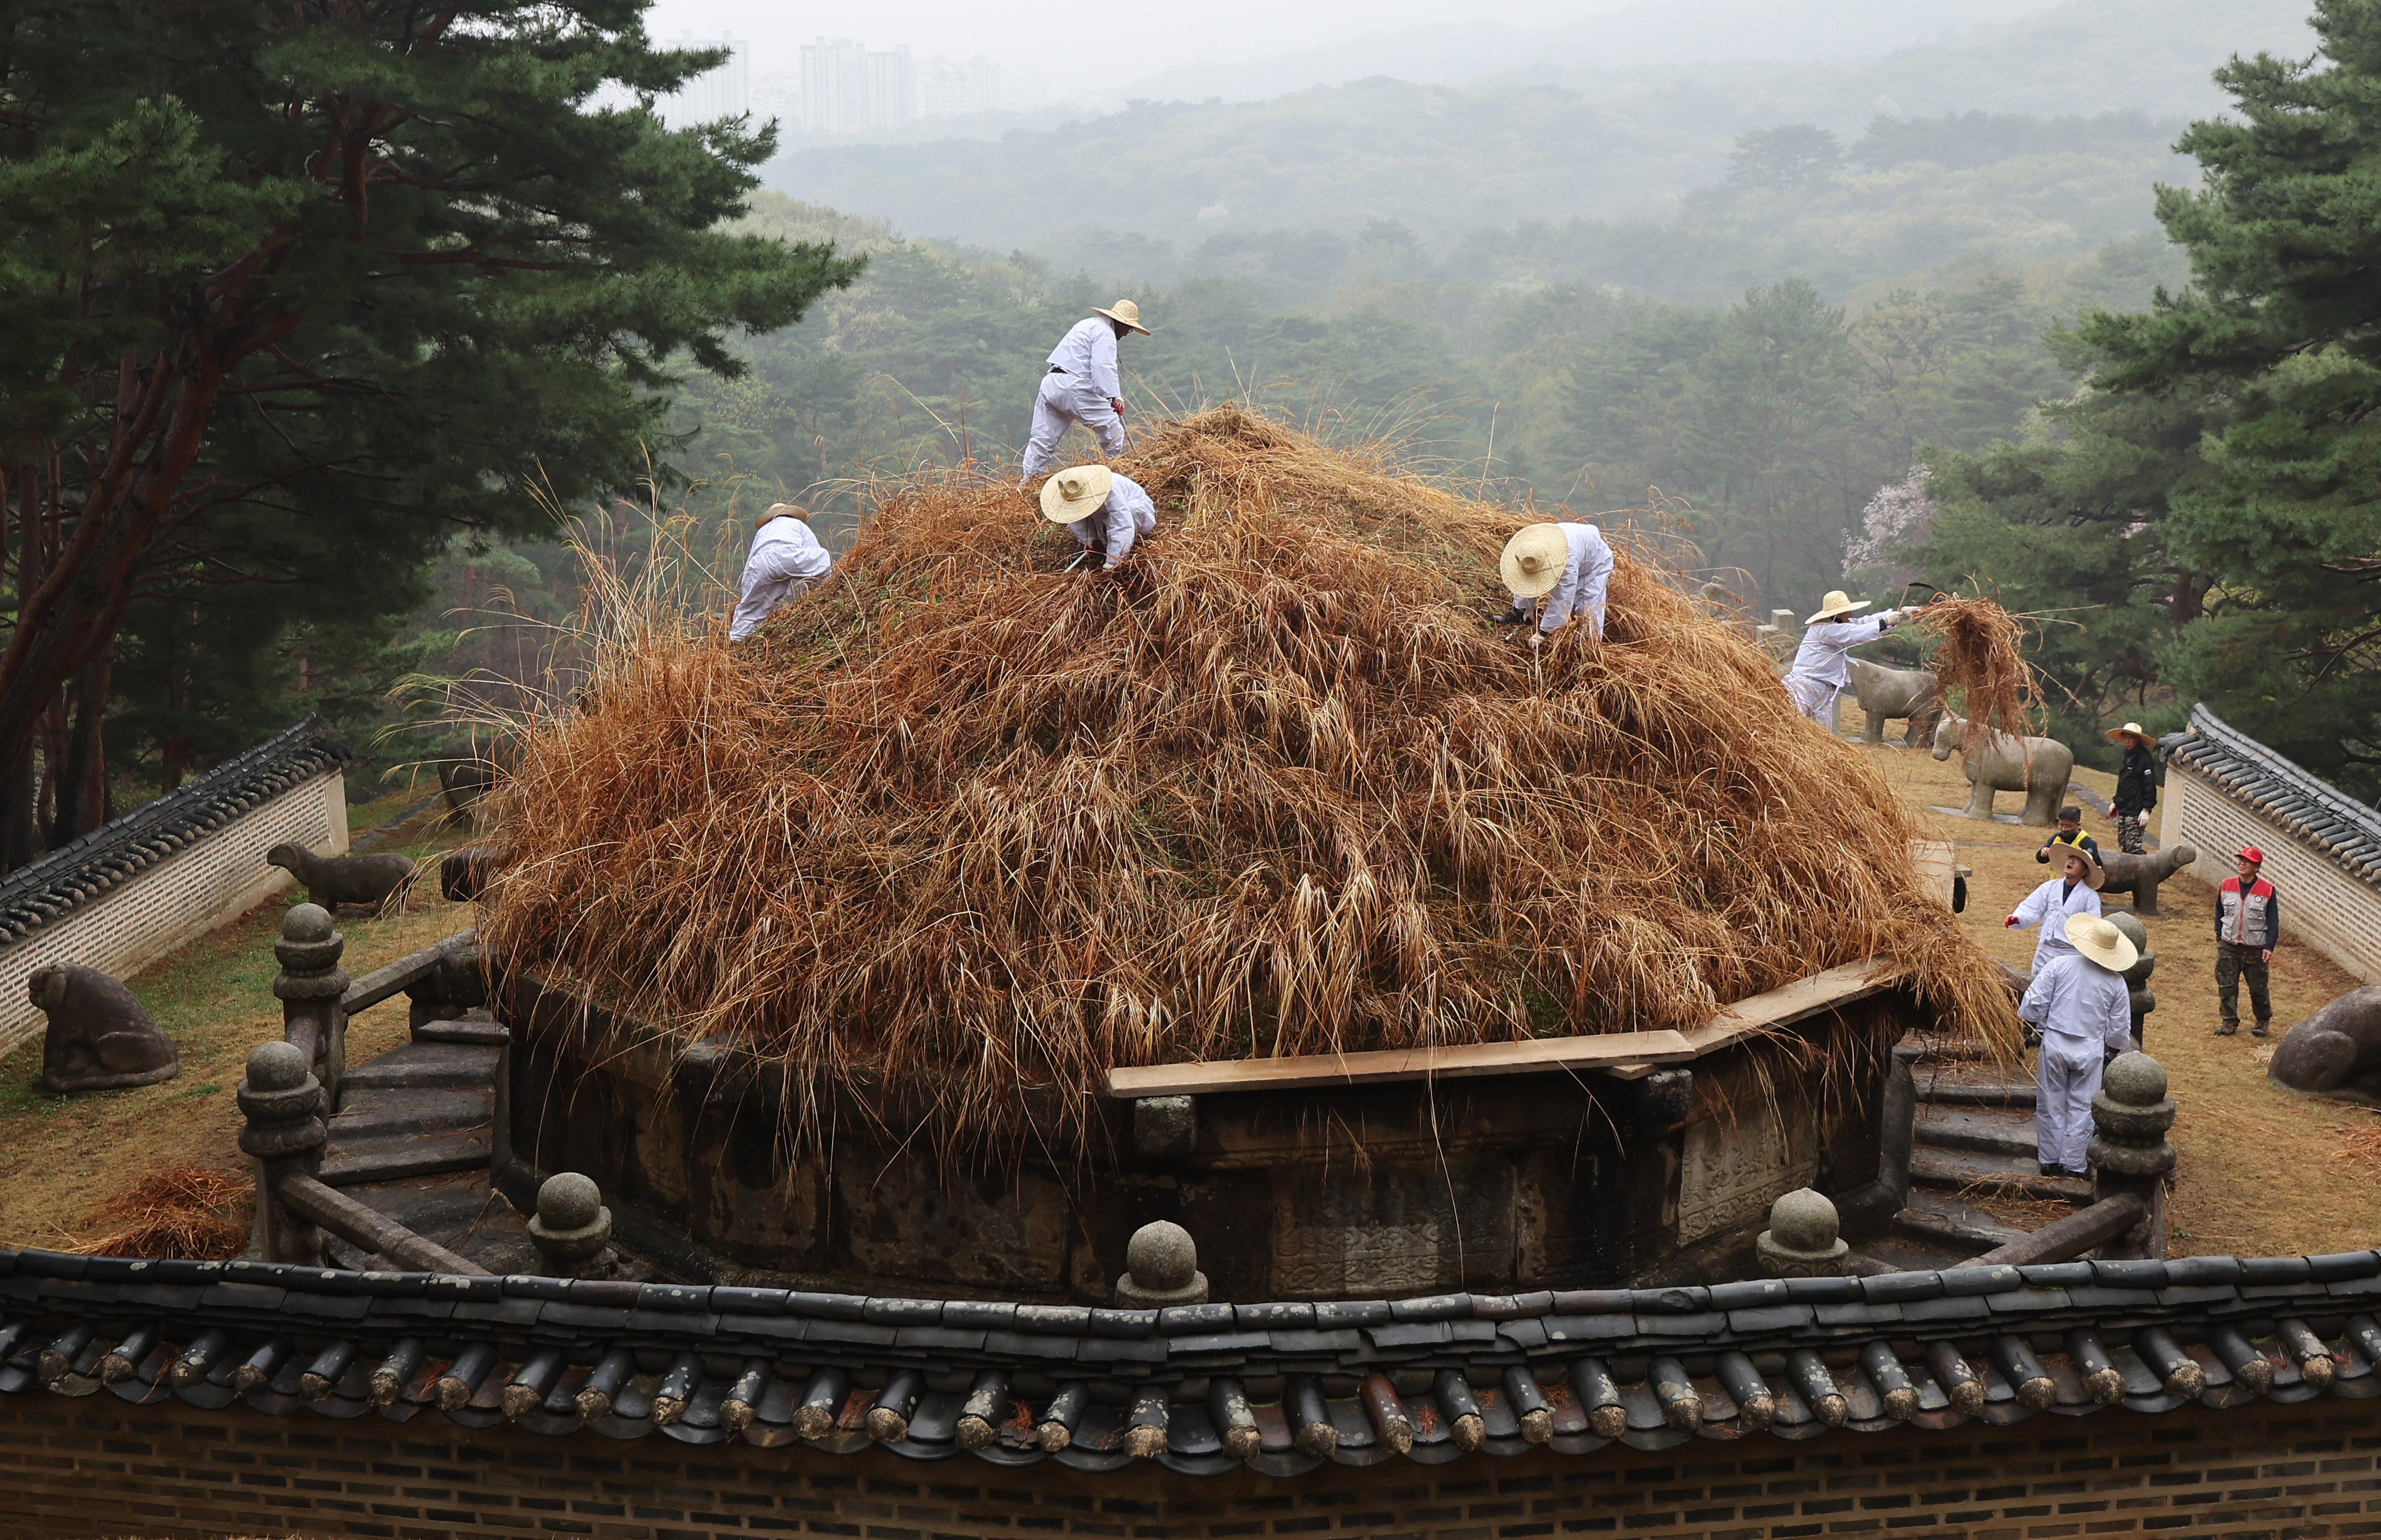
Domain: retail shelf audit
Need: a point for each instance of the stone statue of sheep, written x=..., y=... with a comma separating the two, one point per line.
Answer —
x=330, y=881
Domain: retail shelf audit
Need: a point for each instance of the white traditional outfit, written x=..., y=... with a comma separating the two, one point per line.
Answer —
x=1569, y=565
x=785, y=560
x=1081, y=385
x=1821, y=667
x=2051, y=906
x=2078, y=1000
x=1105, y=511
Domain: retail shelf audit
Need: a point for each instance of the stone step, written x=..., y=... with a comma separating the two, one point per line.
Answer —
x=1973, y=1090
x=420, y=1065
x=1939, y=1220
x=370, y=1113
x=389, y=1155
x=485, y=1034
x=1978, y=1129
x=2019, y=1176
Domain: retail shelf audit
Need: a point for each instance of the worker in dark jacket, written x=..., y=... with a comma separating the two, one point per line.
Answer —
x=2136, y=786
x=2247, y=928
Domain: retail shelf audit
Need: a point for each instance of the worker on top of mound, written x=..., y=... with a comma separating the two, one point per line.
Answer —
x=1820, y=666
x=1107, y=511
x=1568, y=566
x=1082, y=386
x=785, y=559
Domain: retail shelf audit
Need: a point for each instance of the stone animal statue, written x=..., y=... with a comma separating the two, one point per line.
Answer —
x=331, y=881
x=2037, y=766
x=2335, y=1053
x=1884, y=693
x=99, y=1038
x=2140, y=875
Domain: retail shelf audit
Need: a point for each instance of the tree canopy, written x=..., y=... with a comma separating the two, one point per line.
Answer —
x=291, y=295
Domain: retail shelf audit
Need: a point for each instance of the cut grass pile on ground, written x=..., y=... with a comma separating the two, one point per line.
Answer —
x=956, y=834
x=190, y=1212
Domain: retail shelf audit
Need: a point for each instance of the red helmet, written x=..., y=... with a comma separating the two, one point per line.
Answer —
x=2252, y=854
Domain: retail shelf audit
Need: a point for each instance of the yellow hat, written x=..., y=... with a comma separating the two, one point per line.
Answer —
x=1535, y=559
x=2102, y=942
x=1838, y=602
x=1076, y=493
x=1125, y=313
x=2118, y=735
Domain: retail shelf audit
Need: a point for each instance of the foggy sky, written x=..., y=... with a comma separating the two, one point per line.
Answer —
x=1114, y=42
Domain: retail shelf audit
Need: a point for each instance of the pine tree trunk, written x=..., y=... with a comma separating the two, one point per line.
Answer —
x=82, y=788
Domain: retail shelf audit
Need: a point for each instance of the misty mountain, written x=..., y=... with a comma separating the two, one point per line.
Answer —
x=1666, y=31
x=1444, y=161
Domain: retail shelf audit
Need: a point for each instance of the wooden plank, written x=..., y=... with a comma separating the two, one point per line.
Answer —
x=2063, y=1240
x=369, y=1229
x=1534, y=1056
x=1778, y=1008
x=389, y=978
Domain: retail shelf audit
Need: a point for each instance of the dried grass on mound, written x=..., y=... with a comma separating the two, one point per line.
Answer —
x=960, y=834
x=1979, y=663
x=186, y=1212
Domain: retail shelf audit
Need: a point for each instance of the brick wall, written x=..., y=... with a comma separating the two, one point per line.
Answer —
x=2330, y=909
x=216, y=879
x=97, y=1467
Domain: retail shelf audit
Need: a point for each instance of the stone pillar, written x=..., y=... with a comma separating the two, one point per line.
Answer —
x=2129, y=1152
x=283, y=1135
x=452, y=989
x=311, y=984
x=2137, y=977
x=572, y=1230
x=1800, y=1241
x=1161, y=1268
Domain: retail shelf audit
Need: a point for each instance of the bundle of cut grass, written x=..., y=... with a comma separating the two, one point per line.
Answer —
x=958, y=834
x=186, y=1212
x=1979, y=665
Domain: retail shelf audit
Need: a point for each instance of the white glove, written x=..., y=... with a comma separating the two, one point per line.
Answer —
x=1891, y=617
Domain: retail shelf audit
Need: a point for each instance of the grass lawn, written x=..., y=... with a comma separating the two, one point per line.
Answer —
x=2262, y=1173
x=60, y=1155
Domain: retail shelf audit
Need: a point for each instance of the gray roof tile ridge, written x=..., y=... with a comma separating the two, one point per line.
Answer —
x=2264, y=778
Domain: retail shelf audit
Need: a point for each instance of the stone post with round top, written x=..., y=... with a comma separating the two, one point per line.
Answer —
x=1161, y=1266
x=1801, y=1240
x=2129, y=1152
x=284, y=1136
x=2138, y=996
x=572, y=1230
x=309, y=987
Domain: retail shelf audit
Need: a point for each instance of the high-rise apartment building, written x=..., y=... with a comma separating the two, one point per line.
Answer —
x=892, y=90
x=715, y=93
x=848, y=88
x=955, y=88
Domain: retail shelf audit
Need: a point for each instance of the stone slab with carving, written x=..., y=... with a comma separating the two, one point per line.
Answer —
x=98, y=1037
x=2335, y=1053
x=1888, y=692
x=2038, y=766
x=330, y=881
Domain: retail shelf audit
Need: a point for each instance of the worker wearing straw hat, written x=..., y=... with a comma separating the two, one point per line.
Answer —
x=2136, y=786
x=1568, y=566
x=1106, y=511
x=2074, y=891
x=785, y=559
x=1080, y=385
x=2077, y=1001
x=1820, y=666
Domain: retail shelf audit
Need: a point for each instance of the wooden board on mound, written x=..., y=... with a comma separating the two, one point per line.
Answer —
x=1779, y=1007
x=1535, y=1055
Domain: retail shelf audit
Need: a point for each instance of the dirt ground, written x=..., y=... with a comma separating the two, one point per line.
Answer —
x=59, y=1155
x=2261, y=1171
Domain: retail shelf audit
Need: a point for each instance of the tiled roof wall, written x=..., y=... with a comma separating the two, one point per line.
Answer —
x=47, y=890
x=2310, y=809
x=1277, y=1387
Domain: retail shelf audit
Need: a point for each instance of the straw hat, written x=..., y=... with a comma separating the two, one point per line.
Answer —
x=2094, y=873
x=1125, y=313
x=2102, y=942
x=2130, y=729
x=782, y=511
x=1535, y=559
x=1076, y=493
x=1838, y=602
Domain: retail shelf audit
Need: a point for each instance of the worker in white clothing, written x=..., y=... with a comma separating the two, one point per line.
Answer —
x=2073, y=893
x=1568, y=566
x=1106, y=511
x=1820, y=666
x=1080, y=385
x=2077, y=1002
x=785, y=560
